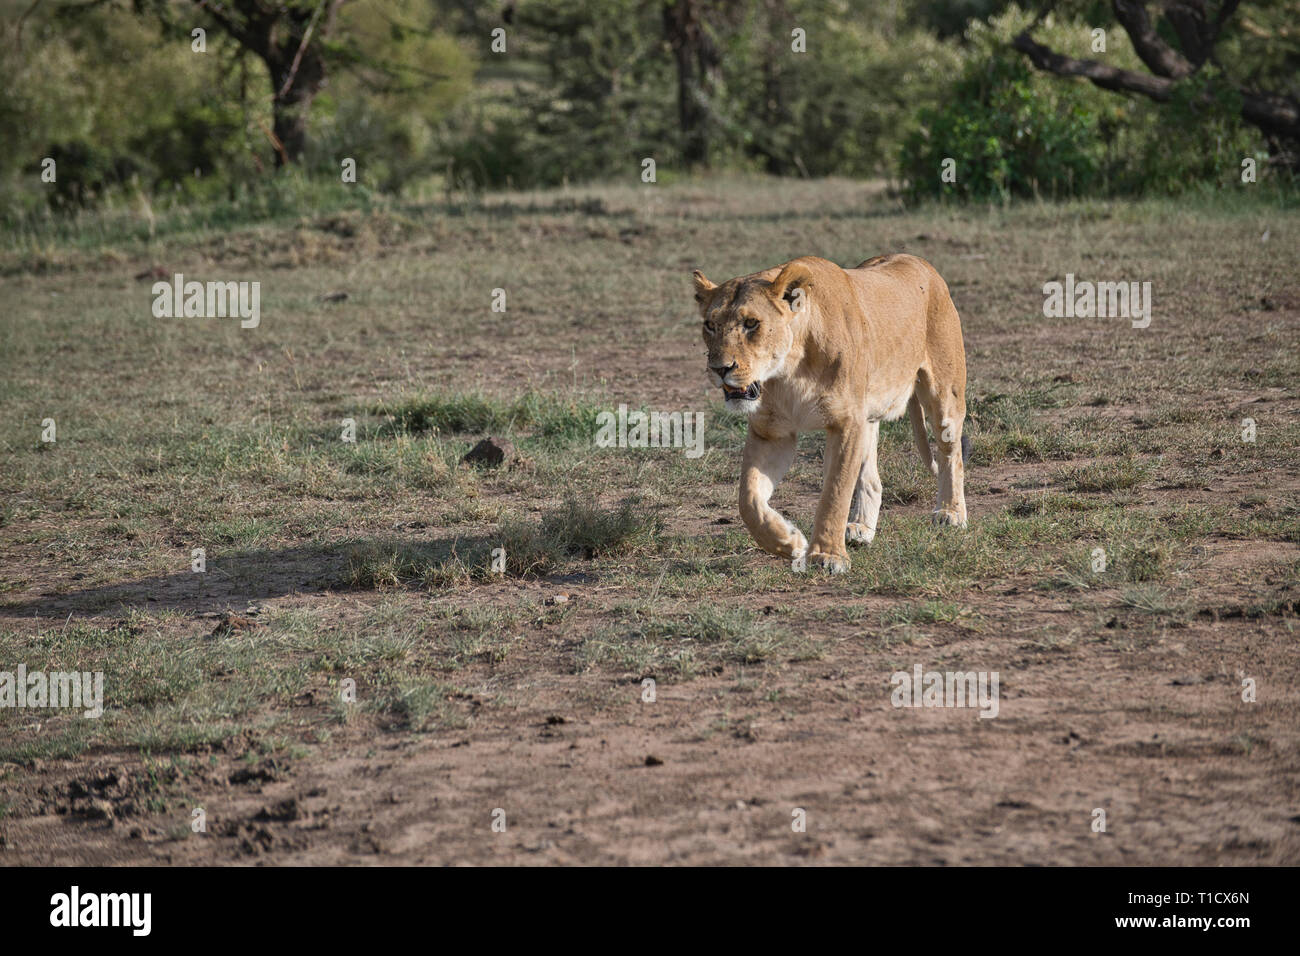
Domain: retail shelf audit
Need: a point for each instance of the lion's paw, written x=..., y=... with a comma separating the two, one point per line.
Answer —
x=946, y=516
x=856, y=533
x=834, y=563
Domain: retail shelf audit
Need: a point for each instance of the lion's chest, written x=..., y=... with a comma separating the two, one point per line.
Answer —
x=807, y=415
x=798, y=409
x=802, y=411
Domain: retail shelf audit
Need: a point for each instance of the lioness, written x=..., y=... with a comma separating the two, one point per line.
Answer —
x=809, y=345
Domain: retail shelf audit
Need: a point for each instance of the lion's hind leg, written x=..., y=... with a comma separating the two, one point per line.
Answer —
x=946, y=407
x=922, y=440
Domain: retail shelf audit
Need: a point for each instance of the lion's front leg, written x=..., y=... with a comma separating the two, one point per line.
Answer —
x=764, y=464
x=845, y=455
x=864, y=510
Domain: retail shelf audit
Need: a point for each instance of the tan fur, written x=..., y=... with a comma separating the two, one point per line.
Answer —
x=837, y=349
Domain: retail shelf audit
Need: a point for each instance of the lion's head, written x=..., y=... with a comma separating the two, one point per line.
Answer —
x=749, y=329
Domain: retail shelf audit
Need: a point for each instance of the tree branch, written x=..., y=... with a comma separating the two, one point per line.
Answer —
x=1274, y=113
x=297, y=57
x=1107, y=77
x=241, y=34
x=1160, y=58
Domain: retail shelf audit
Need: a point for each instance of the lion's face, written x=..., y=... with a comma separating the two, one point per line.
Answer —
x=747, y=334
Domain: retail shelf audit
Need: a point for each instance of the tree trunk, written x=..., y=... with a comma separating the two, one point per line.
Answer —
x=776, y=116
x=289, y=39
x=292, y=93
x=697, y=68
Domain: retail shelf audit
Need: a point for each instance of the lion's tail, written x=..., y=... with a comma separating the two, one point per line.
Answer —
x=915, y=413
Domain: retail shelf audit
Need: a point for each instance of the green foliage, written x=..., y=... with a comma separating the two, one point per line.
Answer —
x=117, y=104
x=608, y=96
x=486, y=146
x=1195, y=139
x=384, y=109
x=586, y=89
x=128, y=109
x=840, y=108
x=1015, y=131
x=585, y=92
x=1006, y=137
x=553, y=419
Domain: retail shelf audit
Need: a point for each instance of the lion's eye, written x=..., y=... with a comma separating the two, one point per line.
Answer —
x=708, y=327
x=751, y=325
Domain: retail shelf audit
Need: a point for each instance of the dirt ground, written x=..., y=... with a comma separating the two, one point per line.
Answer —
x=712, y=770
x=1121, y=694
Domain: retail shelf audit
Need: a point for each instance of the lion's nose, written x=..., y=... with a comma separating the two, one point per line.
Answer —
x=722, y=370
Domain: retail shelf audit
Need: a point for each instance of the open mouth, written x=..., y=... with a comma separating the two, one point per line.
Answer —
x=747, y=394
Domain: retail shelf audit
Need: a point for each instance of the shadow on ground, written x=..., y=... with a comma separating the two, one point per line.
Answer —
x=234, y=579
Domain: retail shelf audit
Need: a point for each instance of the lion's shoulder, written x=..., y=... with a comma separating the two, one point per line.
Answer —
x=896, y=262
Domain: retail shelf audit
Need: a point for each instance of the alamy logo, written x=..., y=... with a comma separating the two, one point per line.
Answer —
x=208, y=300
x=103, y=909
x=1106, y=300
x=55, y=689
x=950, y=689
x=638, y=429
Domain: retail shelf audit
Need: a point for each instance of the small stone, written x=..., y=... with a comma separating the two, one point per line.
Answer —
x=232, y=623
x=492, y=452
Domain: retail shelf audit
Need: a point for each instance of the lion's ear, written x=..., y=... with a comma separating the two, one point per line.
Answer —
x=702, y=286
x=796, y=274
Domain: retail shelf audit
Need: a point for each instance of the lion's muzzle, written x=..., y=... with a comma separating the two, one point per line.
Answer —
x=749, y=394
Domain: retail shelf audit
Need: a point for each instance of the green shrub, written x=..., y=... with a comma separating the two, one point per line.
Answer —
x=1006, y=135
